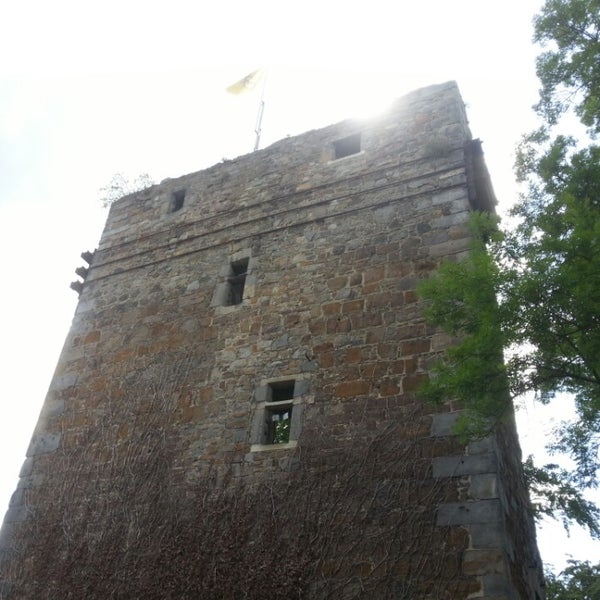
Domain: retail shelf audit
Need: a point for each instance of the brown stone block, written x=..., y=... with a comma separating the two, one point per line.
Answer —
x=326, y=360
x=331, y=308
x=123, y=431
x=92, y=337
x=378, y=301
x=355, y=279
x=374, y=370
x=97, y=384
x=371, y=288
x=410, y=365
x=124, y=355
x=376, y=335
x=411, y=383
x=389, y=388
x=364, y=252
x=349, y=389
x=337, y=283
x=468, y=588
x=374, y=274
x=291, y=319
x=483, y=562
x=353, y=306
x=77, y=420
x=412, y=347
x=192, y=413
x=400, y=568
x=330, y=567
x=386, y=248
x=397, y=270
x=325, y=347
x=317, y=327
x=338, y=325
x=458, y=231
x=397, y=299
x=363, y=320
x=412, y=330
x=410, y=297
x=352, y=355
x=151, y=309
x=396, y=367
x=206, y=394
x=349, y=372
x=387, y=350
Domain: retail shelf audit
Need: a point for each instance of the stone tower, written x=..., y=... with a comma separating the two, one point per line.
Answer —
x=234, y=413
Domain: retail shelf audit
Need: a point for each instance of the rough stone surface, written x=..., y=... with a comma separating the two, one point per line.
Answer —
x=161, y=394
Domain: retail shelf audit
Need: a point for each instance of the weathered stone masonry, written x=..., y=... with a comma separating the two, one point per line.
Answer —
x=153, y=470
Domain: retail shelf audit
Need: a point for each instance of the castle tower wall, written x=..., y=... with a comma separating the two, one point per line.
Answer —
x=234, y=412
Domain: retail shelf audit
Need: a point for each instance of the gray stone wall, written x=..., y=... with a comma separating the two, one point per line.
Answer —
x=160, y=381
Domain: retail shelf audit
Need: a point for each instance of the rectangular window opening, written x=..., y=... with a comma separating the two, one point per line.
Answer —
x=177, y=200
x=236, y=281
x=281, y=390
x=278, y=412
x=278, y=424
x=347, y=146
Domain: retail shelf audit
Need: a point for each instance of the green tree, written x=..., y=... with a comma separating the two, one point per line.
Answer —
x=533, y=290
x=579, y=581
x=569, y=67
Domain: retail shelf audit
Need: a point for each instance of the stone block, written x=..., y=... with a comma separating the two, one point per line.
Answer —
x=16, y=514
x=456, y=466
x=498, y=587
x=442, y=424
x=53, y=407
x=64, y=381
x=483, y=486
x=485, y=445
x=467, y=513
x=488, y=535
x=487, y=561
x=42, y=443
x=351, y=389
x=26, y=467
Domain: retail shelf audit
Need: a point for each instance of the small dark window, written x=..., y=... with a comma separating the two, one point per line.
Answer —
x=177, y=201
x=236, y=282
x=281, y=390
x=347, y=146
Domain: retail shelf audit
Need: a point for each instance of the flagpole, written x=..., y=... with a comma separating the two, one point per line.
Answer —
x=261, y=110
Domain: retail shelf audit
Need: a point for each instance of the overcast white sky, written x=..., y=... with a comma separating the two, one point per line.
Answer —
x=88, y=89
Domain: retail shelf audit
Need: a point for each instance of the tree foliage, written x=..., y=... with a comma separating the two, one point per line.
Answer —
x=533, y=289
x=552, y=494
x=579, y=581
x=120, y=185
x=569, y=68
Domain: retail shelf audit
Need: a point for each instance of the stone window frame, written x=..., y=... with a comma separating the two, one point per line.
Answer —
x=264, y=404
x=220, y=299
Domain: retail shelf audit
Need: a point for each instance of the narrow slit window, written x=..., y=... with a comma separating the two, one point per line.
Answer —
x=347, y=146
x=236, y=282
x=177, y=200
